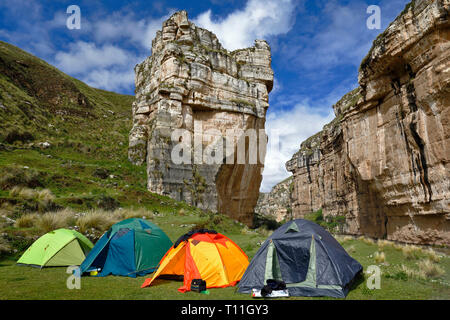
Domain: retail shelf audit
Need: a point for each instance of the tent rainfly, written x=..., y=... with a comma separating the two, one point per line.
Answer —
x=132, y=247
x=304, y=256
x=203, y=254
x=62, y=247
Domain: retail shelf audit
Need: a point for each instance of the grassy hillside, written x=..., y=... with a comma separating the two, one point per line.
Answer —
x=63, y=157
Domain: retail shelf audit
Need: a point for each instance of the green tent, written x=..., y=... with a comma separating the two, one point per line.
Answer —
x=57, y=248
x=132, y=247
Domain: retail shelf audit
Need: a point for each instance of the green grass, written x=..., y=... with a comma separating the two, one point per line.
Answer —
x=27, y=283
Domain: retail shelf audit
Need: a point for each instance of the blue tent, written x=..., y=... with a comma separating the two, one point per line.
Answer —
x=132, y=247
x=306, y=258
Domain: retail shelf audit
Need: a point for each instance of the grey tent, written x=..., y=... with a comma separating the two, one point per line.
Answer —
x=307, y=258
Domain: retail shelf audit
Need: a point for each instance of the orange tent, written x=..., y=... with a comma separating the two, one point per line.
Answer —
x=203, y=254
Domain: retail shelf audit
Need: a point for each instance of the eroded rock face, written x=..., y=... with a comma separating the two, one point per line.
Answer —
x=276, y=204
x=383, y=163
x=191, y=82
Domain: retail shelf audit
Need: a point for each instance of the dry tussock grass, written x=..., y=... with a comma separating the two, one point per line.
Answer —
x=411, y=251
x=379, y=257
x=26, y=221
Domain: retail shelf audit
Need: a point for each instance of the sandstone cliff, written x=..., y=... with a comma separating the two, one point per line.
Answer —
x=191, y=79
x=276, y=204
x=383, y=163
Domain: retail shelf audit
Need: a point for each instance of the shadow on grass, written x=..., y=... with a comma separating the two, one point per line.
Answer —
x=357, y=281
x=166, y=279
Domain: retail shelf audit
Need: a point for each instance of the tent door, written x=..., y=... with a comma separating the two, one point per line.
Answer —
x=272, y=270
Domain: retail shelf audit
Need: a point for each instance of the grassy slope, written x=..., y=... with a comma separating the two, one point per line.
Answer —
x=86, y=134
x=84, y=137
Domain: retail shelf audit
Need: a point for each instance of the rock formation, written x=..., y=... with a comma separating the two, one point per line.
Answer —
x=384, y=161
x=191, y=82
x=276, y=204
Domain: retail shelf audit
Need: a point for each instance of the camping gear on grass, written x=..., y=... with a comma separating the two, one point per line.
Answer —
x=58, y=248
x=198, y=285
x=203, y=254
x=306, y=257
x=132, y=247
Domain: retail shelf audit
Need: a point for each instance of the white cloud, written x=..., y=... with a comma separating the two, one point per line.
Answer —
x=108, y=67
x=126, y=27
x=258, y=20
x=110, y=79
x=84, y=56
x=286, y=130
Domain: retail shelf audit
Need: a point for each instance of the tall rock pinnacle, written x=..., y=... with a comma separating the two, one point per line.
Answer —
x=193, y=91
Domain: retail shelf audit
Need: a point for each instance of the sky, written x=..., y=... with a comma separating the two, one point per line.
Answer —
x=316, y=46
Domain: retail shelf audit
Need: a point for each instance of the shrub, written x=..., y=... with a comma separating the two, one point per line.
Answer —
x=53, y=220
x=383, y=243
x=265, y=222
x=331, y=223
x=5, y=248
x=411, y=273
x=430, y=269
x=97, y=220
x=101, y=173
x=379, y=257
x=16, y=135
x=108, y=203
x=41, y=200
x=367, y=241
x=18, y=176
x=411, y=252
x=26, y=221
x=432, y=255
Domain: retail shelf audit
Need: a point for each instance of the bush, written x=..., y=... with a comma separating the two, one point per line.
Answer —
x=411, y=252
x=41, y=200
x=26, y=221
x=5, y=248
x=265, y=222
x=16, y=135
x=430, y=269
x=432, y=255
x=18, y=176
x=379, y=257
x=108, y=203
x=101, y=173
x=96, y=220
x=53, y=220
x=330, y=223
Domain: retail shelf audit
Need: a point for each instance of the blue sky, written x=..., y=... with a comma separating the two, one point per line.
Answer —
x=317, y=47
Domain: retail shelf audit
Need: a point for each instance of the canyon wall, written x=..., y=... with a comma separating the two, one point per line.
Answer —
x=383, y=162
x=191, y=83
x=276, y=204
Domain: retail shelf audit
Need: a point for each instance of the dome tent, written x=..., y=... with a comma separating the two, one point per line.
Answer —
x=132, y=247
x=203, y=254
x=307, y=258
x=58, y=248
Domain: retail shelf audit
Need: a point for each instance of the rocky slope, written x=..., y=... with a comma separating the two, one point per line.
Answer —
x=276, y=204
x=191, y=82
x=383, y=163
